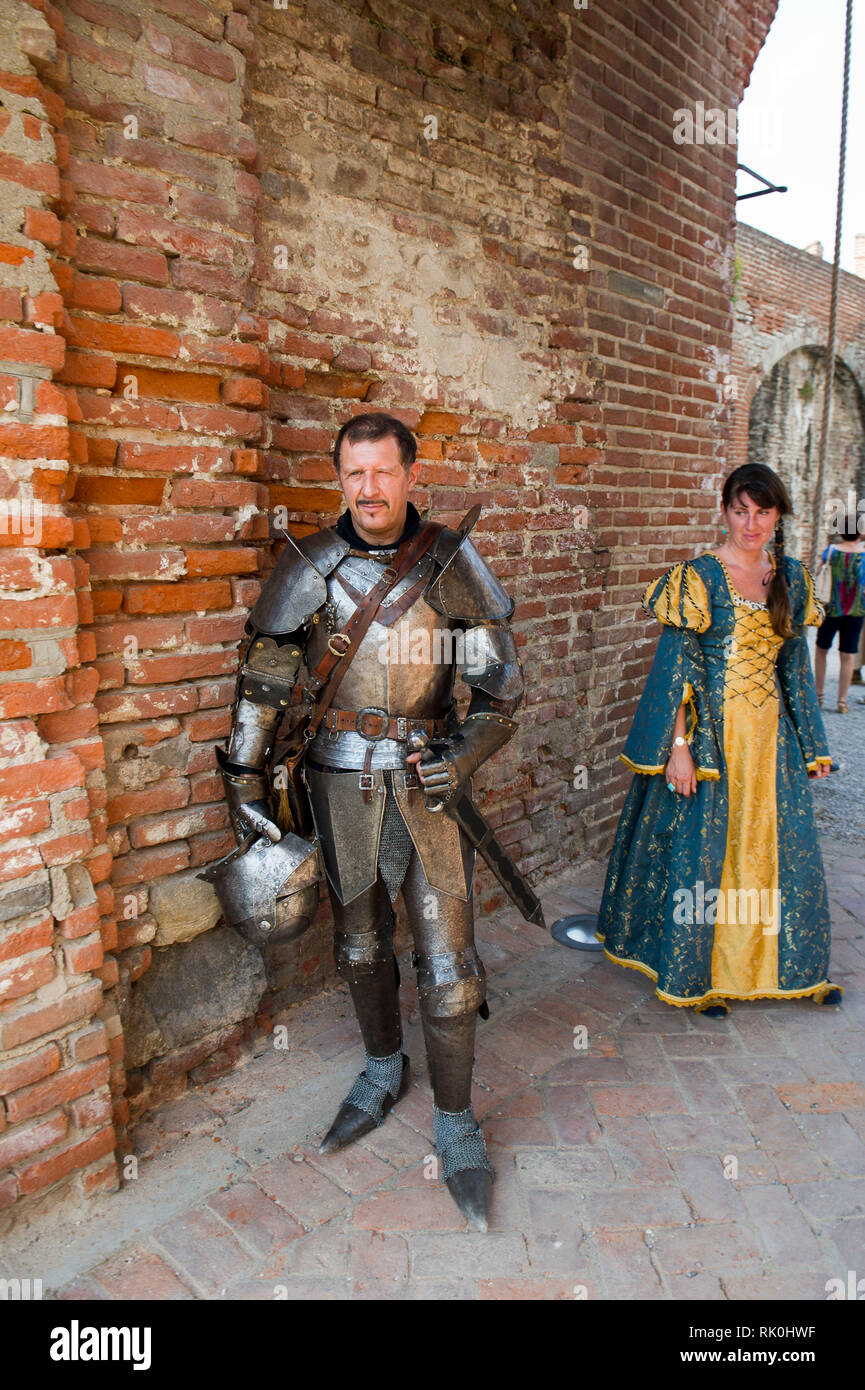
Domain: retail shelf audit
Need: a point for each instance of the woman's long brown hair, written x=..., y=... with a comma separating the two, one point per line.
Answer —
x=764, y=487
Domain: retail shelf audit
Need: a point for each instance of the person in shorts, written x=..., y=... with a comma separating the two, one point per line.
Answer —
x=845, y=611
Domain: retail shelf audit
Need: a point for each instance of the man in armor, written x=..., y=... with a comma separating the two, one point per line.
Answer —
x=371, y=799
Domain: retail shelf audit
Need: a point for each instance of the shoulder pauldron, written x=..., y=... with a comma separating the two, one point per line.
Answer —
x=296, y=587
x=464, y=586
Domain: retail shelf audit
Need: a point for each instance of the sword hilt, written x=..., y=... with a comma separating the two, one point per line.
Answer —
x=418, y=741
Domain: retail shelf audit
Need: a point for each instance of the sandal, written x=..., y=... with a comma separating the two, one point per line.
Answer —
x=843, y=707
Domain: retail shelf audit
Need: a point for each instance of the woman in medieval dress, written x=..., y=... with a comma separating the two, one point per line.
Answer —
x=715, y=886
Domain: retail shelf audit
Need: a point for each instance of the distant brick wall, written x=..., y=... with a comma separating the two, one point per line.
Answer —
x=780, y=316
x=228, y=226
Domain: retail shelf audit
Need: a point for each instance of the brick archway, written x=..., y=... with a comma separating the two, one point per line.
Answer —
x=784, y=432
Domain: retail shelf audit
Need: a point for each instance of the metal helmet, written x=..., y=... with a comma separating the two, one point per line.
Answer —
x=269, y=892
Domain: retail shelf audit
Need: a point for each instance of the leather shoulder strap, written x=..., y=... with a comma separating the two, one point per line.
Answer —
x=324, y=680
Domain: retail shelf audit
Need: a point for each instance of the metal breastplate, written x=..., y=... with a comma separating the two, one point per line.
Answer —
x=404, y=664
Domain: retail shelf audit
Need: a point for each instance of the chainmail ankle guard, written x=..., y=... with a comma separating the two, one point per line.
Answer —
x=459, y=1141
x=381, y=1076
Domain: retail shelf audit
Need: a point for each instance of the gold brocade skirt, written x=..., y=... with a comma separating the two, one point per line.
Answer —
x=745, y=951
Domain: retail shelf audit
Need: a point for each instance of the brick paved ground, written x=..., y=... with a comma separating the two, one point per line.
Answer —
x=610, y=1159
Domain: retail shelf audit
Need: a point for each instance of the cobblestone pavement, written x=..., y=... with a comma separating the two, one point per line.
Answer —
x=674, y=1157
x=840, y=799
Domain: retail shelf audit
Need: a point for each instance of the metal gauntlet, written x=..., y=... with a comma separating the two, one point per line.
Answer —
x=482, y=734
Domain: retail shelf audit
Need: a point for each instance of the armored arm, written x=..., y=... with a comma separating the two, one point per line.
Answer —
x=267, y=676
x=278, y=623
x=492, y=669
x=469, y=592
x=489, y=664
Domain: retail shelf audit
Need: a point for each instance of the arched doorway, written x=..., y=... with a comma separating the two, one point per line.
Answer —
x=784, y=432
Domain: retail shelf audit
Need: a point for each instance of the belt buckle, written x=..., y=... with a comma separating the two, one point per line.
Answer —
x=382, y=715
x=366, y=782
x=402, y=727
x=410, y=781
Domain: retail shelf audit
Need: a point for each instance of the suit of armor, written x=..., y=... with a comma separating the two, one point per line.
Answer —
x=447, y=617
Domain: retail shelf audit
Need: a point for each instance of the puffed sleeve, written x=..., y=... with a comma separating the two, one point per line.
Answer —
x=680, y=600
x=795, y=674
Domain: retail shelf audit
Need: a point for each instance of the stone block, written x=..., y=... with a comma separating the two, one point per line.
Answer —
x=183, y=908
x=192, y=988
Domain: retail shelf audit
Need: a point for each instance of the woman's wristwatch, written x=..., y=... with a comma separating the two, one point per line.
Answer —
x=679, y=742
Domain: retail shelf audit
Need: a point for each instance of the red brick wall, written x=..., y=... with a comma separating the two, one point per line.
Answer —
x=196, y=374
x=60, y=1036
x=132, y=241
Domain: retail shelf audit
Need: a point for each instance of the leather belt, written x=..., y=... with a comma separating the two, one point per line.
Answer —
x=374, y=723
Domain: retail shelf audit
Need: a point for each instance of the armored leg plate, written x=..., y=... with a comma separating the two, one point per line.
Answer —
x=445, y=854
x=348, y=827
x=451, y=976
x=363, y=950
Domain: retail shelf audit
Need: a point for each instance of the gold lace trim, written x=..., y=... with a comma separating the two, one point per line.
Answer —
x=713, y=996
x=704, y=774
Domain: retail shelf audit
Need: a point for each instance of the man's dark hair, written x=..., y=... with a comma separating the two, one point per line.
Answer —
x=377, y=426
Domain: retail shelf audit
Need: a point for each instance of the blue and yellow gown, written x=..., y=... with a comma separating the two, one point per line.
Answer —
x=722, y=894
